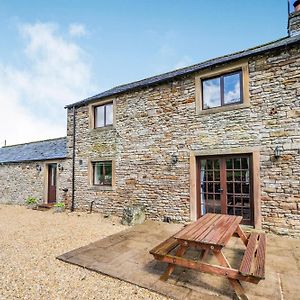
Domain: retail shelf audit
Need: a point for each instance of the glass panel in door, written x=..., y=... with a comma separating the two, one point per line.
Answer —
x=210, y=187
x=238, y=188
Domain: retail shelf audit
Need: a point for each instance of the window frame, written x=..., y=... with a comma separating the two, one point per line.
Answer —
x=241, y=65
x=105, y=115
x=222, y=76
x=103, y=166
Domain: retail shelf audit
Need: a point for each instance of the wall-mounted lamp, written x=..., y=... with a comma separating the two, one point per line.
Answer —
x=174, y=159
x=60, y=167
x=278, y=151
x=38, y=168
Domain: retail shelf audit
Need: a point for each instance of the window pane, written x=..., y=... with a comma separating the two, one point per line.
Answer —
x=108, y=173
x=109, y=114
x=99, y=116
x=211, y=93
x=98, y=172
x=232, y=88
x=102, y=173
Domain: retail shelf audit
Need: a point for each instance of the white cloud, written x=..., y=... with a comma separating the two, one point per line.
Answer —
x=77, y=30
x=32, y=99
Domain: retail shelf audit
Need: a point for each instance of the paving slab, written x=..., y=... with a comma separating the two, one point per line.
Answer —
x=125, y=256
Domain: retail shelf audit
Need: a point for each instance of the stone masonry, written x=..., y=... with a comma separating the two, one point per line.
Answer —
x=22, y=180
x=156, y=122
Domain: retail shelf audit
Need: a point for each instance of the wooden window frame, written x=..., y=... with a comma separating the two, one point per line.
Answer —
x=105, y=114
x=222, y=76
x=103, y=169
x=223, y=71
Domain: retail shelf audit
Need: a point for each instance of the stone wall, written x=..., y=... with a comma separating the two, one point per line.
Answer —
x=156, y=122
x=22, y=180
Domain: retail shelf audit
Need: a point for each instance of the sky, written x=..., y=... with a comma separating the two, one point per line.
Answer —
x=53, y=53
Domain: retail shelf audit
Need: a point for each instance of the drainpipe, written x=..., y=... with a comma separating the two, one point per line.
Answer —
x=73, y=162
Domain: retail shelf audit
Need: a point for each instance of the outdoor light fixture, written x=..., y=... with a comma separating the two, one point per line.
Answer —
x=60, y=167
x=174, y=159
x=38, y=168
x=278, y=151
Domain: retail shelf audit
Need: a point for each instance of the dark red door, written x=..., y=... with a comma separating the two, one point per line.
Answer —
x=51, y=183
x=225, y=186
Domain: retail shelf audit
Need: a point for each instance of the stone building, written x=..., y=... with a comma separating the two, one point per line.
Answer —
x=220, y=136
x=37, y=169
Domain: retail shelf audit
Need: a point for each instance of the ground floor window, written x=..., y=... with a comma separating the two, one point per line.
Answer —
x=225, y=186
x=102, y=173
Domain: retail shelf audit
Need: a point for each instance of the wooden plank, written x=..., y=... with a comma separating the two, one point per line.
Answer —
x=198, y=226
x=218, y=230
x=189, y=227
x=236, y=285
x=245, y=267
x=165, y=247
x=180, y=252
x=260, y=257
x=206, y=228
x=206, y=268
x=242, y=235
x=253, y=262
x=230, y=231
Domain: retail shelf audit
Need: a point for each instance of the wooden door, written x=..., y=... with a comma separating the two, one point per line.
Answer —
x=225, y=186
x=52, y=183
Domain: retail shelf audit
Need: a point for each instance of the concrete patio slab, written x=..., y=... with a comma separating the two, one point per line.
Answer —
x=125, y=256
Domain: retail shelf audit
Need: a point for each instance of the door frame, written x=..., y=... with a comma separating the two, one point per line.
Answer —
x=256, y=192
x=223, y=182
x=46, y=179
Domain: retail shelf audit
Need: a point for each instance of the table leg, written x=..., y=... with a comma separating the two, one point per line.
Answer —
x=204, y=254
x=236, y=285
x=180, y=252
x=242, y=235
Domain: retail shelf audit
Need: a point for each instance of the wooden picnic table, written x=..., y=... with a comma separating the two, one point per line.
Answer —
x=210, y=234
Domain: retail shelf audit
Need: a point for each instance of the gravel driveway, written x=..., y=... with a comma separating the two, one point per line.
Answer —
x=29, y=242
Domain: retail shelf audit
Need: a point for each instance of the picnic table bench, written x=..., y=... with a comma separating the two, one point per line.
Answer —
x=210, y=234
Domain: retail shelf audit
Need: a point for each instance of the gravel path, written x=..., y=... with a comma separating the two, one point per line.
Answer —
x=29, y=242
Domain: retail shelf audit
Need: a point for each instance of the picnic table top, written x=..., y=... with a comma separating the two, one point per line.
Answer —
x=211, y=229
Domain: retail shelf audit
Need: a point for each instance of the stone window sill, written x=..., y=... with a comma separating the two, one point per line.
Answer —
x=104, y=128
x=223, y=109
x=101, y=188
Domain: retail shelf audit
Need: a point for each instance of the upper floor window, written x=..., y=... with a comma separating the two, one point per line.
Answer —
x=222, y=90
x=102, y=173
x=103, y=115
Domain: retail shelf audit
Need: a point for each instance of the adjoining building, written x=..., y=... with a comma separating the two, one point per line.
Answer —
x=221, y=136
x=37, y=169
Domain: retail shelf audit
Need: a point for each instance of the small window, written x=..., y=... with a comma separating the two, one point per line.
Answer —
x=222, y=90
x=102, y=173
x=103, y=115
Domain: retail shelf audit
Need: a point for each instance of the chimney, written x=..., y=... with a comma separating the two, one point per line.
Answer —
x=294, y=20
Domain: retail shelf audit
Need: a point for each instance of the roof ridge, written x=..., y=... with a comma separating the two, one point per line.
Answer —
x=34, y=142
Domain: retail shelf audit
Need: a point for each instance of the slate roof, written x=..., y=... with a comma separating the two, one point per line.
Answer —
x=42, y=150
x=281, y=43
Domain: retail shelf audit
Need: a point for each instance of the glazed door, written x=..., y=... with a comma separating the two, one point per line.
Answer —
x=51, y=183
x=226, y=186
